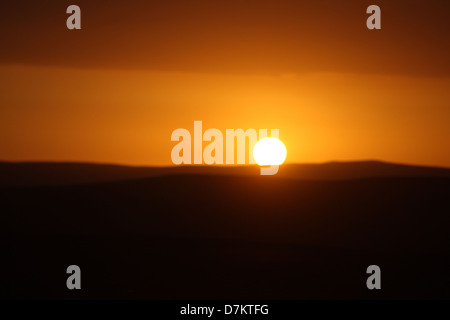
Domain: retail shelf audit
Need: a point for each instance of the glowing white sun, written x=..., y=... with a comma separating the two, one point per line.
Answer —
x=269, y=152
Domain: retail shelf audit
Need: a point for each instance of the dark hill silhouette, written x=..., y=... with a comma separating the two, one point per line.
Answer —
x=60, y=173
x=190, y=236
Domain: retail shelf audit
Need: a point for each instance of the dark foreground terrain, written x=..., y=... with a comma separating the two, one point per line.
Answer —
x=199, y=234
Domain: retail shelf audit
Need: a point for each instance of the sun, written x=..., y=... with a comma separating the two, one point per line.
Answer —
x=269, y=152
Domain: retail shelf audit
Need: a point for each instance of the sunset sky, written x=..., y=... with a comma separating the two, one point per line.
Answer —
x=114, y=91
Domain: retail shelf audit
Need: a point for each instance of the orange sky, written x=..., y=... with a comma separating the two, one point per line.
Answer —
x=115, y=90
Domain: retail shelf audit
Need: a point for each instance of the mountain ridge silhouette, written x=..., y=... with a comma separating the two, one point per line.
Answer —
x=196, y=234
x=68, y=173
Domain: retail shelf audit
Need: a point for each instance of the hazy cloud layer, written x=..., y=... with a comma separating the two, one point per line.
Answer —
x=231, y=36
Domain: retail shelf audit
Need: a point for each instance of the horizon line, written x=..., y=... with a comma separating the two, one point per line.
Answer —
x=216, y=165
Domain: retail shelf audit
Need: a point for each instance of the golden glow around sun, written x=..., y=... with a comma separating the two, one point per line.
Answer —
x=269, y=151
